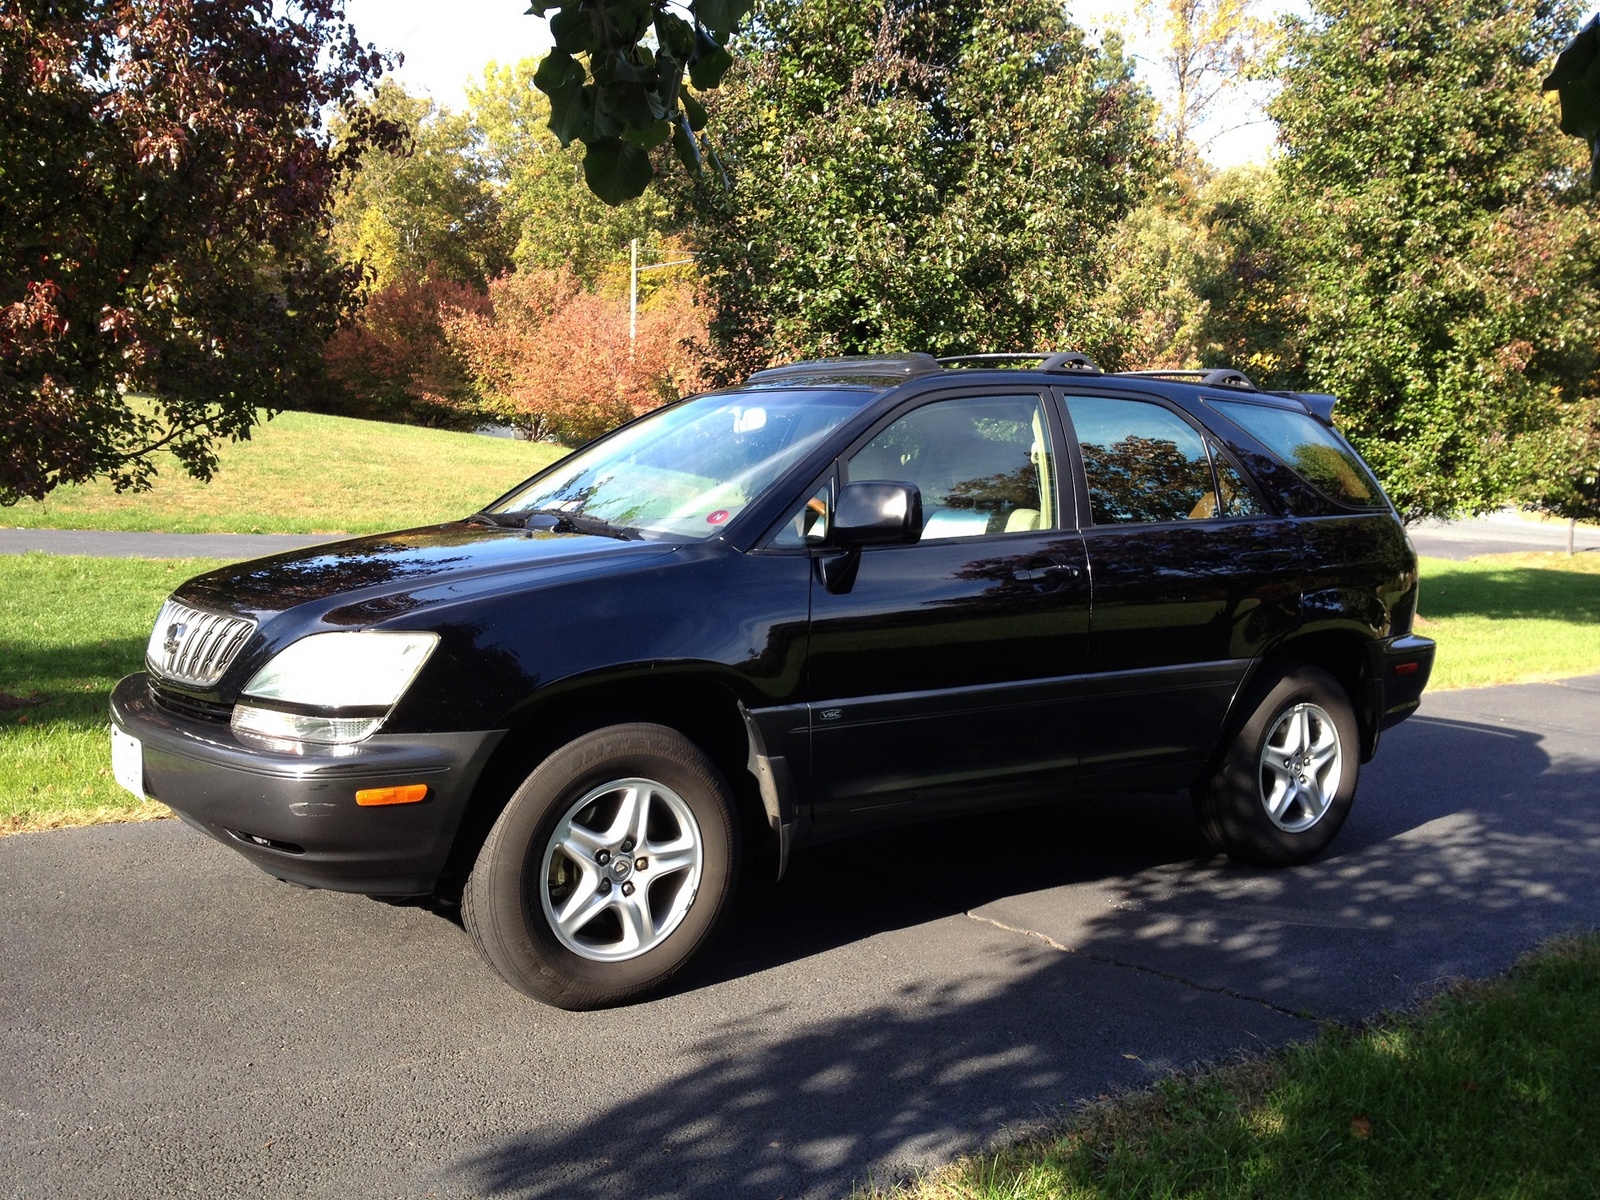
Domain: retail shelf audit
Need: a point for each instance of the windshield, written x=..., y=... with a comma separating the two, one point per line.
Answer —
x=687, y=470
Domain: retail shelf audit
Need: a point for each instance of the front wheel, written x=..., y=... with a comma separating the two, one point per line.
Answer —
x=607, y=870
x=1284, y=785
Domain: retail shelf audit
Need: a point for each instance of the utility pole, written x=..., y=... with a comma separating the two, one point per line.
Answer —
x=633, y=287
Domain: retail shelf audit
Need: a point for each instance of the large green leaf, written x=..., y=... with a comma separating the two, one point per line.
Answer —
x=722, y=17
x=616, y=171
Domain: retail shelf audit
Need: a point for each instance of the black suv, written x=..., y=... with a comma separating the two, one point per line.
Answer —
x=847, y=593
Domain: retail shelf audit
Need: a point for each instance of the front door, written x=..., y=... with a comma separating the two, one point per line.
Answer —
x=946, y=670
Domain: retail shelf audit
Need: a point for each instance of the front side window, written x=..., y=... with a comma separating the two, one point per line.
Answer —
x=983, y=464
x=1308, y=446
x=686, y=471
x=1143, y=462
x=808, y=525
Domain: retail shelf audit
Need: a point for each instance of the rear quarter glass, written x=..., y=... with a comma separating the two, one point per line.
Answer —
x=1313, y=450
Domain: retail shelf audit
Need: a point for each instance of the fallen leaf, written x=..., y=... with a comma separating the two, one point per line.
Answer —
x=1469, y=1085
x=1361, y=1127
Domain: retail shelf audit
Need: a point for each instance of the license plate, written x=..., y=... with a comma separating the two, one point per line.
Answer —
x=127, y=761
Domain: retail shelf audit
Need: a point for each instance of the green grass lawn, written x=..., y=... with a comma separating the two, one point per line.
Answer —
x=1505, y=618
x=70, y=627
x=1489, y=1091
x=304, y=473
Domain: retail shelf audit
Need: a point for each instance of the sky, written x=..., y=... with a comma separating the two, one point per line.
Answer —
x=445, y=44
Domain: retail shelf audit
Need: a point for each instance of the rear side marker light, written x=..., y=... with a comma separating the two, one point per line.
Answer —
x=1406, y=668
x=407, y=794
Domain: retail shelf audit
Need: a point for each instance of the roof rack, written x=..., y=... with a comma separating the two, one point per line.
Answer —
x=1214, y=377
x=861, y=364
x=1069, y=360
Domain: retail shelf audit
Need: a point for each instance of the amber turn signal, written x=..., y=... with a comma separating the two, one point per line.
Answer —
x=407, y=794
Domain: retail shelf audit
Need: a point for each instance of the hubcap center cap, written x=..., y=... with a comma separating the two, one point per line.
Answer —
x=620, y=867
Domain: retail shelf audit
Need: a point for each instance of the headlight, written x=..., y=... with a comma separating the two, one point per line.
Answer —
x=331, y=688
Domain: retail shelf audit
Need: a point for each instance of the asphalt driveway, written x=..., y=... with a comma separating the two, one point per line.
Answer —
x=173, y=1022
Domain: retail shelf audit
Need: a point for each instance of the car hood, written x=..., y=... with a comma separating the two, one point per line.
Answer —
x=369, y=578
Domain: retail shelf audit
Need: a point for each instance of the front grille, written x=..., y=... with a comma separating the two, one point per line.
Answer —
x=194, y=647
x=189, y=706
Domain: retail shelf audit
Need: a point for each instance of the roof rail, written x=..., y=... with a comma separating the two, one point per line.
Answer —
x=860, y=364
x=1069, y=360
x=1213, y=377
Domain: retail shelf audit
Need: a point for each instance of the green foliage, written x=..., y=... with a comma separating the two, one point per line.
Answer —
x=615, y=81
x=425, y=209
x=1568, y=480
x=1442, y=254
x=1576, y=80
x=552, y=219
x=934, y=177
x=164, y=189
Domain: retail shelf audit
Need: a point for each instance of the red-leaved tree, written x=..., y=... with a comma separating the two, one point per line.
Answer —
x=557, y=362
x=164, y=190
x=392, y=362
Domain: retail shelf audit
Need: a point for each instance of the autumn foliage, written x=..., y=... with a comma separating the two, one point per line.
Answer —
x=555, y=360
x=163, y=185
x=393, y=363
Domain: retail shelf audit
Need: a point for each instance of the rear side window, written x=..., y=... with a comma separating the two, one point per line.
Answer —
x=1310, y=448
x=1143, y=462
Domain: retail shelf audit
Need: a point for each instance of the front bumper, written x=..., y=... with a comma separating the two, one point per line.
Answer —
x=295, y=816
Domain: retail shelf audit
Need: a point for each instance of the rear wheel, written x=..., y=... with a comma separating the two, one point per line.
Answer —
x=1284, y=786
x=607, y=870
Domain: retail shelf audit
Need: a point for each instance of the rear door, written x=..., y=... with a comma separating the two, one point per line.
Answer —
x=1191, y=576
x=947, y=669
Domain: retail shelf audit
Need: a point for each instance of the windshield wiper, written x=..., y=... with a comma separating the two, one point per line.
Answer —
x=558, y=521
x=495, y=520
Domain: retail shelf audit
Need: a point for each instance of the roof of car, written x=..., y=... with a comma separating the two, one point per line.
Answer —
x=883, y=371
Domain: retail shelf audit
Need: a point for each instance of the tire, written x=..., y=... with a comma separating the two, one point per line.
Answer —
x=1283, y=787
x=562, y=904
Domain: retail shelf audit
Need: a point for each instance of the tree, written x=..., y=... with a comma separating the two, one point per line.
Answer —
x=550, y=215
x=163, y=190
x=1568, y=481
x=615, y=81
x=557, y=362
x=425, y=209
x=1433, y=218
x=913, y=176
x=394, y=363
x=1198, y=278
x=1209, y=47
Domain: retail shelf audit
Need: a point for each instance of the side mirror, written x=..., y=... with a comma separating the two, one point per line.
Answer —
x=874, y=513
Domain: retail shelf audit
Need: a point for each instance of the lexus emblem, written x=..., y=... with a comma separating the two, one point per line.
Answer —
x=175, y=633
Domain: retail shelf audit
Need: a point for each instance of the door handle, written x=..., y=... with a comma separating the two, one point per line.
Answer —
x=1046, y=574
x=1266, y=557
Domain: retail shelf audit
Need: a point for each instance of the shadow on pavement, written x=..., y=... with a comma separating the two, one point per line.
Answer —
x=1468, y=843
